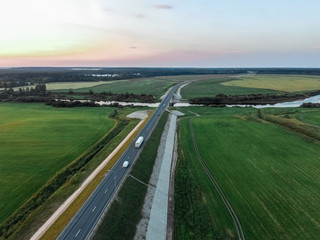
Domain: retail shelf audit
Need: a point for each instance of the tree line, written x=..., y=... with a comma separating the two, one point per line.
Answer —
x=252, y=99
x=69, y=99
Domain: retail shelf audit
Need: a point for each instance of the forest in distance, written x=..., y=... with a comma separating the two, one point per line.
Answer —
x=15, y=77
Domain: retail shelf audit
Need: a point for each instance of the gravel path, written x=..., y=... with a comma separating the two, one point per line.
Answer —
x=179, y=89
x=139, y=114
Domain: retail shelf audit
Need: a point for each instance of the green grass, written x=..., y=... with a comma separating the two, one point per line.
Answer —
x=47, y=208
x=198, y=212
x=277, y=82
x=270, y=176
x=125, y=212
x=156, y=86
x=69, y=85
x=310, y=117
x=37, y=141
x=215, y=86
x=153, y=86
x=301, y=120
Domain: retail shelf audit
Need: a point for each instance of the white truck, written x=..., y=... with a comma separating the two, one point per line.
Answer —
x=125, y=164
x=138, y=142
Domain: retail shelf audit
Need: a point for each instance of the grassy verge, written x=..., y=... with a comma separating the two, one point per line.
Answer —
x=268, y=174
x=125, y=212
x=294, y=120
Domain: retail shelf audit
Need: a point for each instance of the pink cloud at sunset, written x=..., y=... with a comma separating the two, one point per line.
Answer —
x=193, y=33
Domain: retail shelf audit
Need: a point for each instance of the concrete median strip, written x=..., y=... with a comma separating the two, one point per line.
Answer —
x=157, y=226
x=46, y=226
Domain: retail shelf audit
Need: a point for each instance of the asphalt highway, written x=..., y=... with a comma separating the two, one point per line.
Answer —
x=83, y=223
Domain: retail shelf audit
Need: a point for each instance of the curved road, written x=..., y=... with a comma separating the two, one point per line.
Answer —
x=83, y=223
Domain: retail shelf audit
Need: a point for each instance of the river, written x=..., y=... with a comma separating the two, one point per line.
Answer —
x=314, y=99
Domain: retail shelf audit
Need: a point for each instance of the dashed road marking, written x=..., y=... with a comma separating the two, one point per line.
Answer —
x=77, y=233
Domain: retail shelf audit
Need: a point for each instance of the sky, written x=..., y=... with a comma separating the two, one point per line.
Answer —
x=152, y=33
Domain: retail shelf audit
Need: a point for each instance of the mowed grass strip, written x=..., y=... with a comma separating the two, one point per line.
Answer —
x=312, y=117
x=125, y=211
x=37, y=141
x=278, y=82
x=54, y=231
x=270, y=176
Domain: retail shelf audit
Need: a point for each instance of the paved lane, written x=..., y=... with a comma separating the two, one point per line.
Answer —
x=83, y=223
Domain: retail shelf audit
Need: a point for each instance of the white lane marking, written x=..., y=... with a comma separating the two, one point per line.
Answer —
x=77, y=233
x=106, y=191
x=94, y=208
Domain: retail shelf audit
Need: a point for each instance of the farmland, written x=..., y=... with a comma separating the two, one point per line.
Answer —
x=156, y=86
x=270, y=177
x=285, y=83
x=311, y=117
x=215, y=86
x=68, y=85
x=37, y=141
x=251, y=84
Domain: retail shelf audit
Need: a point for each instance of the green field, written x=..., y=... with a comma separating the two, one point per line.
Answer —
x=70, y=85
x=251, y=84
x=270, y=176
x=37, y=141
x=156, y=86
x=285, y=83
x=215, y=86
x=312, y=117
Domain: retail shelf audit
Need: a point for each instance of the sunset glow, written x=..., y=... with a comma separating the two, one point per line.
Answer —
x=202, y=33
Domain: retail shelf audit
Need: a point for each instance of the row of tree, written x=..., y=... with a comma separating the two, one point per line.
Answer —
x=254, y=99
x=310, y=105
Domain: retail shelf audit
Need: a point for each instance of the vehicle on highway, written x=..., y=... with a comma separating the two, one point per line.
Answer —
x=139, y=142
x=125, y=164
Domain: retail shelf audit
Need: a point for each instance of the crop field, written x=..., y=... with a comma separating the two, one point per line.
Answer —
x=70, y=85
x=214, y=86
x=37, y=141
x=156, y=86
x=308, y=116
x=270, y=177
x=285, y=83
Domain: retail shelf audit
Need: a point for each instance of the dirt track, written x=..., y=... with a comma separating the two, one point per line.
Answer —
x=233, y=215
